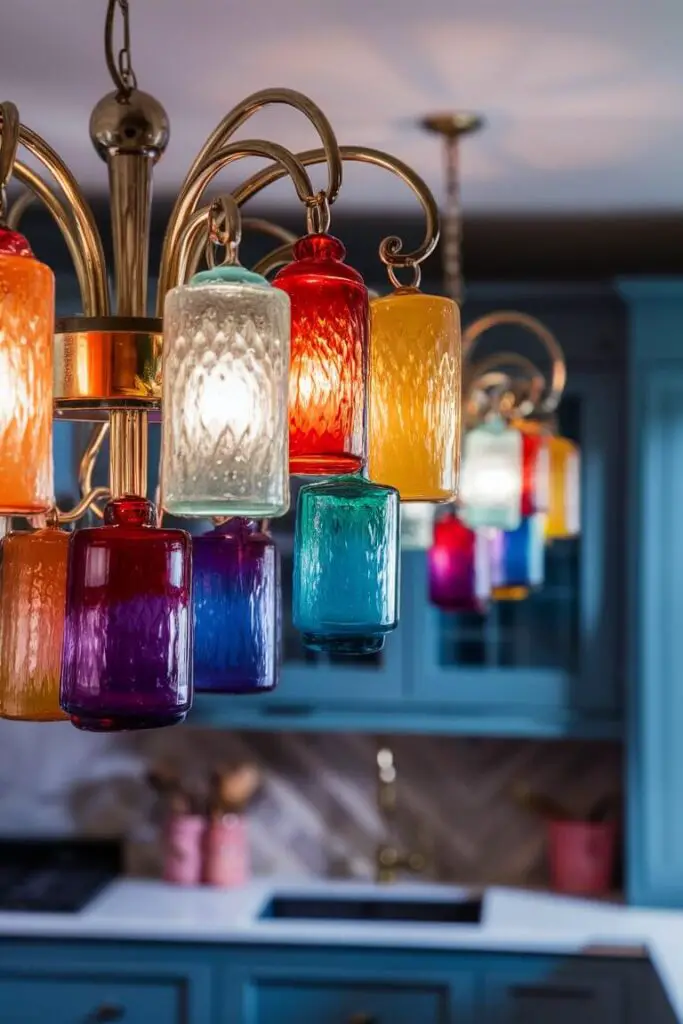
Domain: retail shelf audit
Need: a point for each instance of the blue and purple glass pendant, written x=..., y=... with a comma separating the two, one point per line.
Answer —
x=518, y=556
x=236, y=595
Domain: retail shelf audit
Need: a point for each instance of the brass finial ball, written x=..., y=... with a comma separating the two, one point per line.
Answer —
x=138, y=124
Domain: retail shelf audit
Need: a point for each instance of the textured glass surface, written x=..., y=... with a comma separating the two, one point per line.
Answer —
x=237, y=603
x=346, y=564
x=329, y=367
x=491, y=479
x=459, y=567
x=26, y=330
x=415, y=384
x=564, y=519
x=32, y=597
x=127, y=661
x=225, y=372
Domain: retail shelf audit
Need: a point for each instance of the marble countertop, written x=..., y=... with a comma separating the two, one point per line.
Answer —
x=512, y=921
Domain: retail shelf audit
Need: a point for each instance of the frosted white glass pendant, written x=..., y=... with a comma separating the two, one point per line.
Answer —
x=225, y=373
x=491, y=476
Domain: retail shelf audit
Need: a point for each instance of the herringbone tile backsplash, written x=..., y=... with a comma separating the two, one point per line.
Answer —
x=316, y=813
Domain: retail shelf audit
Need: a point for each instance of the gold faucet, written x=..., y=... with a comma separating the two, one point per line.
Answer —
x=389, y=859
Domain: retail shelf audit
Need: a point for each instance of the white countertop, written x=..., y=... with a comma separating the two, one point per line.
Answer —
x=512, y=921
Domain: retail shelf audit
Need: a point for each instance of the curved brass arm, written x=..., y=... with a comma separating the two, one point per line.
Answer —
x=390, y=249
x=88, y=460
x=87, y=283
x=279, y=257
x=266, y=227
x=493, y=372
x=19, y=208
x=83, y=505
x=87, y=236
x=486, y=323
x=246, y=109
x=185, y=221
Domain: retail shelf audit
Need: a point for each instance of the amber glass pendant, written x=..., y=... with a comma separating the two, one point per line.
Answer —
x=32, y=599
x=26, y=330
x=564, y=507
x=415, y=387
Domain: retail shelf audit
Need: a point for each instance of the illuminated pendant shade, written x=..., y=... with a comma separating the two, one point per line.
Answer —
x=32, y=600
x=127, y=661
x=346, y=565
x=26, y=332
x=225, y=374
x=459, y=565
x=519, y=559
x=237, y=609
x=492, y=478
x=415, y=386
x=535, y=467
x=564, y=510
x=329, y=364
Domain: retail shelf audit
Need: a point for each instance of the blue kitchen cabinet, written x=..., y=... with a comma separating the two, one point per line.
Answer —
x=551, y=662
x=546, y=990
x=655, y=625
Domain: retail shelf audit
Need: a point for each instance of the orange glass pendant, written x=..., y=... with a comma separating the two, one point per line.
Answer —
x=564, y=507
x=32, y=602
x=26, y=331
x=329, y=359
x=415, y=384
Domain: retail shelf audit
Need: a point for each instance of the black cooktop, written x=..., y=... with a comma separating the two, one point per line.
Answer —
x=55, y=875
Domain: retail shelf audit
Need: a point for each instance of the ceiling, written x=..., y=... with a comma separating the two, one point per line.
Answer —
x=583, y=100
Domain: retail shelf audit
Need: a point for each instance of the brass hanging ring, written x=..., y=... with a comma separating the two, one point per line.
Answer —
x=417, y=276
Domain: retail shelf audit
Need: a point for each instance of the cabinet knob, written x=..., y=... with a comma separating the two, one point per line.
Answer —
x=363, y=1018
x=107, y=1013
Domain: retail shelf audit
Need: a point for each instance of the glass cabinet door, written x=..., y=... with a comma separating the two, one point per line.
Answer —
x=556, y=649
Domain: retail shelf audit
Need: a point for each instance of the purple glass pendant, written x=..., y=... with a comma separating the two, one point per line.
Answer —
x=236, y=595
x=127, y=659
x=459, y=567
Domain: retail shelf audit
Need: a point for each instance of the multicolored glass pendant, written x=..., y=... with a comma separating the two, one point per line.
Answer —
x=127, y=661
x=225, y=374
x=459, y=566
x=26, y=332
x=32, y=598
x=329, y=365
x=492, y=476
x=346, y=565
x=415, y=386
x=518, y=559
x=564, y=509
x=237, y=602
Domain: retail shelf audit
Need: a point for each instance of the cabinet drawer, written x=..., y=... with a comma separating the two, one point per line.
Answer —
x=521, y=998
x=352, y=1002
x=96, y=999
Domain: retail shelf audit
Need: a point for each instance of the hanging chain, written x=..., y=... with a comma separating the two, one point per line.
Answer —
x=120, y=68
x=452, y=221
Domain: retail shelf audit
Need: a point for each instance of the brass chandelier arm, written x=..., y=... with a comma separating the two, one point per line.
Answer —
x=74, y=514
x=185, y=220
x=266, y=227
x=250, y=106
x=390, y=249
x=558, y=379
x=279, y=257
x=88, y=460
x=84, y=227
x=87, y=283
x=494, y=369
x=19, y=208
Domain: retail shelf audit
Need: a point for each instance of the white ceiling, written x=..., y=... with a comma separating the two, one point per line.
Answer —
x=583, y=99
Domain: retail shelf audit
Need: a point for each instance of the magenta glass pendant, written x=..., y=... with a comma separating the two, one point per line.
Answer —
x=459, y=567
x=127, y=657
x=237, y=606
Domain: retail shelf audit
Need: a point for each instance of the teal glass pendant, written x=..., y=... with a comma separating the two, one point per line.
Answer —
x=346, y=565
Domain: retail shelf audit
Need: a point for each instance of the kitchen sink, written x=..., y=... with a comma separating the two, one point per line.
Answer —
x=289, y=907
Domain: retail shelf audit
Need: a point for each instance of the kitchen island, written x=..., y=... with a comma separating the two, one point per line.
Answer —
x=145, y=951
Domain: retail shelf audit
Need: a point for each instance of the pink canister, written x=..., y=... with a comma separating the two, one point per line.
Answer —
x=183, y=837
x=226, y=851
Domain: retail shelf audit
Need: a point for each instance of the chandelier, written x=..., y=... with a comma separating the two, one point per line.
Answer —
x=114, y=626
x=520, y=480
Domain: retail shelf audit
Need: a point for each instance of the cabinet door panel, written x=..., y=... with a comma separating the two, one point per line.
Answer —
x=37, y=1000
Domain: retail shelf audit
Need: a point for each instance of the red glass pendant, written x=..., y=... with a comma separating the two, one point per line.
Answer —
x=329, y=362
x=535, y=468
